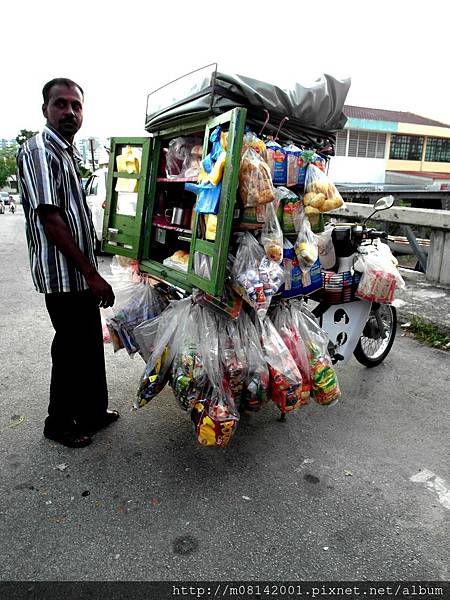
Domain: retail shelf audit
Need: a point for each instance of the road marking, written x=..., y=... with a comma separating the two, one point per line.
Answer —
x=435, y=484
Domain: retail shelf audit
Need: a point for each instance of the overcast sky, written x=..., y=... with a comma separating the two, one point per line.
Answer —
x=396, y=52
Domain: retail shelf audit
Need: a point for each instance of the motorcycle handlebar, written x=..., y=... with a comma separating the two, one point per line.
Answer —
x=373, y=234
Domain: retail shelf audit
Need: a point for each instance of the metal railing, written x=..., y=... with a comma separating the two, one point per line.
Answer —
x=437, y=264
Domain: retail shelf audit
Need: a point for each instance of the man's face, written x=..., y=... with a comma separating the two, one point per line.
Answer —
x=64, y=110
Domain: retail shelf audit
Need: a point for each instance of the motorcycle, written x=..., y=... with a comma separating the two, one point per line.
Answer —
x=12, y=208
x=357, y=327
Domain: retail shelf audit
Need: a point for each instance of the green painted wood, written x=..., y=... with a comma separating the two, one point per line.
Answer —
x=183, y=129
x=160, y=271
x=215, y=286
x=118, y=175
x=151, y=194
x=129, y=227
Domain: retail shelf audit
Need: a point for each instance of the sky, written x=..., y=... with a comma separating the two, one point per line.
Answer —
x=396, y=53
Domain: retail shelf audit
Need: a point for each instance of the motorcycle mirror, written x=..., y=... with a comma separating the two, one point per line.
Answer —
x=384, y=203
x=381, y=204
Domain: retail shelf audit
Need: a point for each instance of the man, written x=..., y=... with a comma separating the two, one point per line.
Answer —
x=61, y=241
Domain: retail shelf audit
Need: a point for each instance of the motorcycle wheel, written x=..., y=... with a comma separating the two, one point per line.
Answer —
x=371, y=351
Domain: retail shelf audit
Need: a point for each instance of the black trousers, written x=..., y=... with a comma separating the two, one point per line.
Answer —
x=78, y=390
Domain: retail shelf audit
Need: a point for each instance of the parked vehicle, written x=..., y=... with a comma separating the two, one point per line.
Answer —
x=4, y=198
x=366, y=329
x=95, y=190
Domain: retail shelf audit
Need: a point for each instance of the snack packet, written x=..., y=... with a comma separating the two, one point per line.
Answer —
x=255, y=181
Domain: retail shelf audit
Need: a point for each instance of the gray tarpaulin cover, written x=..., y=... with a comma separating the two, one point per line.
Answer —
x=315, y=111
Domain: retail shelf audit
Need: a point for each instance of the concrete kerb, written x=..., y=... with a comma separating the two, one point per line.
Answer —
x=429, y=302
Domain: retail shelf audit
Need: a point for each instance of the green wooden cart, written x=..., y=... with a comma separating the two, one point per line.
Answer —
x=137, y=234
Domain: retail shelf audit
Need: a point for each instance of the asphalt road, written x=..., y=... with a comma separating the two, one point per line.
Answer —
x=326, y=496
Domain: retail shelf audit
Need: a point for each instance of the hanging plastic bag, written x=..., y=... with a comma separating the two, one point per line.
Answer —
x=135, y=303
x=214, y=412
x=255, y=181
x=306, y=158
x=272, y=235
x=157, y=370
x=183, y=155
x=380, y=275
x=251, y=140
x=320, y=193
x=285, y=378
x=325, y=386
x=208, y=196
x=232, y=358
x=325, y=246
x=305, y=246
x=256, y=382
x=285, y=324
x=188, y=377
x=145, y=335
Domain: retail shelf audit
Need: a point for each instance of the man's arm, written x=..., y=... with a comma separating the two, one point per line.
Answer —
x=57, y=232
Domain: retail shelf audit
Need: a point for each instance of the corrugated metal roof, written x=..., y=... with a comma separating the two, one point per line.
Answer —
x=379, y=114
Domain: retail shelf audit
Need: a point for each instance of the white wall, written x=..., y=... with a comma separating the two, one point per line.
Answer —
x=347, y=169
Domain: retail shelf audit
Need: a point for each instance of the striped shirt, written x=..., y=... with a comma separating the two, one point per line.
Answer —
x=48, y=174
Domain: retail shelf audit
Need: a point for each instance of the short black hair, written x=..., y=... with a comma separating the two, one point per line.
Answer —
x=58, y=81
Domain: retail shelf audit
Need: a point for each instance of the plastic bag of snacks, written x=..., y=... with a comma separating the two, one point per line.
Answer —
x=251, y=140
x=380, y=275
x=284, y=322
x=305, y=246
x=231, y=357
x=136, y=303
x=272, y=235
x=321, y=195
x=325, y=386
x=285, y=378
x=289, y=209
x=156, y=372
x=306, y=158
x=214, y=412
x=256, y=383
x=255, y=180
x=254, y=276
x=188, y=377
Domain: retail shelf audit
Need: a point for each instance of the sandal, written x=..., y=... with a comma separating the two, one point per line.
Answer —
x=71, y=439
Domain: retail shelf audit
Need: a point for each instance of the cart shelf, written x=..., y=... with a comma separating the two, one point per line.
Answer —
x=176, y=180
x=172, y=227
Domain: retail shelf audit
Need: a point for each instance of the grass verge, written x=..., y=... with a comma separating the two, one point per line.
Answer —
x=428, y=333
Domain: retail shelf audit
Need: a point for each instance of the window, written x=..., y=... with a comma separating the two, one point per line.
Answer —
x=341, y=142
x=406, y=147
x=366, y=144
x=437, y=150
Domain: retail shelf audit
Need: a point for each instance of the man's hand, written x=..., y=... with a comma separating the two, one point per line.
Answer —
x=100, y=289
x=58, y=232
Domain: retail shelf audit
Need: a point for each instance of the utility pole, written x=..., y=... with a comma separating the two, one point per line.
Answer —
x=91, y=143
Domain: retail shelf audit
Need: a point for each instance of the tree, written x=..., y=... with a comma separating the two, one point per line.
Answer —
x=7, y=163
x=24, y=135
x=85, y=172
